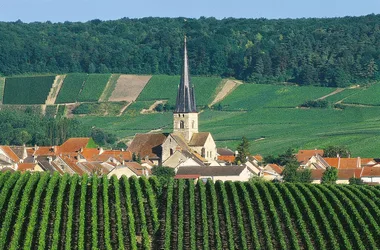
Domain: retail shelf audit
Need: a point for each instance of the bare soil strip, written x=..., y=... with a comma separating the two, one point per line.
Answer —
x=2, y=86
x=124, y=108
x=338, y=90
x=228, y=87
x=129, y=87
x=55, y=89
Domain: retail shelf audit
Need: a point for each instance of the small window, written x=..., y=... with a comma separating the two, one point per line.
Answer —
x=182, y=124
x=171, y=151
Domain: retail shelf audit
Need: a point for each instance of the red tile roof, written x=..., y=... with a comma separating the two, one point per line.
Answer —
x=9, y=152
x=46, y=150
x=258, y=157
x=25, y=166
x=371, y=172
x=304, y=156
x=136, y=168
x=187, y=176
x=276, y=168
x=74, y=145
x=344, y=163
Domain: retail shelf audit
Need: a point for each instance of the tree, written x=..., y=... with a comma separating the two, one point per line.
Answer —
x=291, y=173
x=163, y=171
x=335, y=151
x=355, y=181
x=243, y=151
x=330, y=176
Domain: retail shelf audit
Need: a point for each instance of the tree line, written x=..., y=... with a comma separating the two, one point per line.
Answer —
x=31, y=128
x=326, y=51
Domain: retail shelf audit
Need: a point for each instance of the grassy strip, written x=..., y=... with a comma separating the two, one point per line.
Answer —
x=69, y=226
x=110, y=87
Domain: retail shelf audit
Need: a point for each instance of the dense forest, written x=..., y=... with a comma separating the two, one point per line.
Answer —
x=327, y=52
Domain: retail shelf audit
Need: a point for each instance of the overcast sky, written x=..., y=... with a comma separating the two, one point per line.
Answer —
x=84, y=10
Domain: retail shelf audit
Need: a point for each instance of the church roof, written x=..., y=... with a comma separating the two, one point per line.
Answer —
x=198, y=139
x=211, y=171
x=185, y=97
x=147, y=145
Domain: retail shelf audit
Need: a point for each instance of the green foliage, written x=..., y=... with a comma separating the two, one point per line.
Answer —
x=243, y=151
x=162, y=87
x=355, y=181
x=101, y=138
x=330, y=176
x=27, y=90
x=71, y=88
x=223, y=215
x=335, y=151
x=249, y=49
x=165, y=172
x=288, y=157
x=315, y=104
x=51, y=111
x=22, y=127
x=93, y=87
x=99, y=109
x=291, y=173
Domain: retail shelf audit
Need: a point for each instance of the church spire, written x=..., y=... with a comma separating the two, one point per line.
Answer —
x=185, y=97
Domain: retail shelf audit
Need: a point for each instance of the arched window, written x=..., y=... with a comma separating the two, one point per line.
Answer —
x=203, y=152
x=171, y=151
x=181, y=124
x=193, y=124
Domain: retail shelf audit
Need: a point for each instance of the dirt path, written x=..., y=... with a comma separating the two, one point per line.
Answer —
x=124, y=108
x=338, y=90
x=109, y=88
x=153, y=106
x=228, y=87
x=55, y=89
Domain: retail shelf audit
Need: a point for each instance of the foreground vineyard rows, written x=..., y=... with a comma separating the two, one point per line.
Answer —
x=40, y=211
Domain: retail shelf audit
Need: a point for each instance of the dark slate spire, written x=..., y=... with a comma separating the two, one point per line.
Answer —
x=185, y=97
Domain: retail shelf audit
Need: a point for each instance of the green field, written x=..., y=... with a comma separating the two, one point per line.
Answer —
x=251, y=111
x=251, y=96
x=162, y=87
x=27, y=90
x=2, y=85
x=44, y=211
x=93, y=87
x=100, y=109
x=71, y=87
x=368, y=96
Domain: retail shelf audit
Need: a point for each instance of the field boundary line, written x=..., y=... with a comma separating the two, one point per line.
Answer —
x=2, y=87
x=54, y=90
x=228, y=87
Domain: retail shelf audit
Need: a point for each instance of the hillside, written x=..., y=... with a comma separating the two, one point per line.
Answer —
x=50, y=212
x=325, y=51
x=268, y=115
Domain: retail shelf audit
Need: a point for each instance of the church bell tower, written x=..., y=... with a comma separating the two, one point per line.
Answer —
x=185, y=114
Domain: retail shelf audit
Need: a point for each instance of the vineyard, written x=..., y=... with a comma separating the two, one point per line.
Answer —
x=93, y=87
x=71, y=87
x=40, y=211
x=27, y=90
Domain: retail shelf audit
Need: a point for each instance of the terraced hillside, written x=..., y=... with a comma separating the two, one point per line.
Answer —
x=53, y=212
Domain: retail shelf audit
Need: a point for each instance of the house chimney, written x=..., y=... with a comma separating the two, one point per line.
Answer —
x=49, y=159
x=359, y=163
x=101, y=150
x=35, y=147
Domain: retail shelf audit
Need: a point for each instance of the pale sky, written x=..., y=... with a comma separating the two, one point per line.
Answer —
x=84, y=10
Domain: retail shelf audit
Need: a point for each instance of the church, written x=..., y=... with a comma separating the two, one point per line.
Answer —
x=185, y=146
